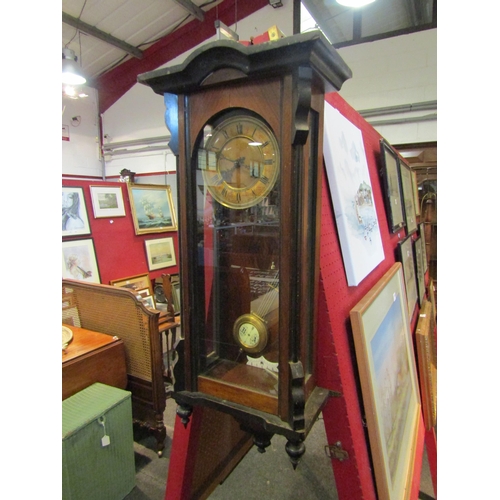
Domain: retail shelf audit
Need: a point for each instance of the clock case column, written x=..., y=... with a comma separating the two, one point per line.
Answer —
x=284, y=82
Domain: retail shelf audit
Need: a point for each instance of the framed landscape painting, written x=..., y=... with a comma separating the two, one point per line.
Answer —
x=419, y=264
x=107, y=201
x=387, y=370
x=152, y=208
x=160, y=253
x=79, y=261
x=405, y=256
x=408, y=197
x=75, y=221
x=136, y=283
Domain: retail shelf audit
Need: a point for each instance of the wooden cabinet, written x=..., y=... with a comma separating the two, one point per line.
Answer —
x=92, y=357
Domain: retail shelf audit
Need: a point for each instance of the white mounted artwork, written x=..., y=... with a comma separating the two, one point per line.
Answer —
x=353, y=202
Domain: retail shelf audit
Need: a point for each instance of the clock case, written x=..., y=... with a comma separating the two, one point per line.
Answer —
x=283, y=83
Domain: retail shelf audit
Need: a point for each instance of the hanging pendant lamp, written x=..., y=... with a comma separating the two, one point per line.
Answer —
x=71, y=72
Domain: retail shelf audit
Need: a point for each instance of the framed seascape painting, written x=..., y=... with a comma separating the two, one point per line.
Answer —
x=392, y=186
x=387, y=370
x=79, y=261
x=75, y=221
x=427, y=364
x=352, y=196
x=408, y=197
x=419, y=267
x=405, y=256
x=107, y=201
x=160, y=253
x=152, y=208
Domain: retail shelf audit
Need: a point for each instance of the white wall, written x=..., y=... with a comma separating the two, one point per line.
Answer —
x=393, y=71
x=400, y=70
x=80, y=155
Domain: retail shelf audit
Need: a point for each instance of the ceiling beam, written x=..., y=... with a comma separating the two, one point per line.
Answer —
x=192, y=8
x=105, y=37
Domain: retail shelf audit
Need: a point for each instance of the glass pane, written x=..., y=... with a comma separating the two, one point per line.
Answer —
x=238, y=210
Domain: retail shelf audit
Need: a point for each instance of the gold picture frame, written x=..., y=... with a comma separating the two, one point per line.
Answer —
x=152, y=208
x=388, y=376
x=427, y=364
x=137, y=283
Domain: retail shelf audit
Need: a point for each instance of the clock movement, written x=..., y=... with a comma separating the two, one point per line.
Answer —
x=247, y=125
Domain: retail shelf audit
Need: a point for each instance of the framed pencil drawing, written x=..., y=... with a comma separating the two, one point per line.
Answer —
x=107, y=201
x=405, y=256
x=387, y=370
x=392, y=186
x=152, y=208
x=79, y=261
x=75, y=221
x=427, y=364
x=160, y=253
x=408, y=197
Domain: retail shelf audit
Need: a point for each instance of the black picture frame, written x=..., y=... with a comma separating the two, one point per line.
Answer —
x=393, y=195
x=408, y=196
x=405, y=255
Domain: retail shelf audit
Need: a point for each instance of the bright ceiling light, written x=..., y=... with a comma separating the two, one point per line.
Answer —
x=71, y=72
x=354, y=3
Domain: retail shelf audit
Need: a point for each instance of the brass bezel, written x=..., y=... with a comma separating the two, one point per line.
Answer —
x=261, y=328
x=217, y=190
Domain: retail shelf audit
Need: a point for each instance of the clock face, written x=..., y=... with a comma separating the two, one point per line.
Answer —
x=250, y=332
x=240, y=161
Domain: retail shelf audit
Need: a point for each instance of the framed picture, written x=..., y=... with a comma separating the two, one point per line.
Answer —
x=405, y=256
x=387, y=370
x=75, y=221
x=107, y=201
x=176, y=292
x=417, y=247
x=152, y=208
x=427, y=364
x=352, y=196
x=79, y=261
x=137, y=283
x=149, y=301
x=160, y=253
x=392, y=186
x=414, y=183
x=421, y=233
x=408, y=197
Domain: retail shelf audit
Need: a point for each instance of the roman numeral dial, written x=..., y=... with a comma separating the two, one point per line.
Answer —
x=247, y=161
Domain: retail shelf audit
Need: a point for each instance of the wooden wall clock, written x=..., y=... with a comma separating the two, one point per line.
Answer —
x=248, y=124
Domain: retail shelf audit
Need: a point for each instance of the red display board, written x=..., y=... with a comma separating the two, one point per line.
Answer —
x=336, y=359
x=119, y=251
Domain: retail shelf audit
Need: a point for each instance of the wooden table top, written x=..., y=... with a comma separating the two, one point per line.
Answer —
x=85, y=341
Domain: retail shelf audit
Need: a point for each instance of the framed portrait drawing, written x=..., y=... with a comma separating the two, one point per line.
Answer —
x=75, y=221
x=107, y=201
x=419, y=267
x=138, y=283
x=79, y=261
x=160, y=253
x=408, y=197
x=152, y=208
x=387, y=370
x=352, y=196
x=427, y=364
x=405, y=256
x=392, y=186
